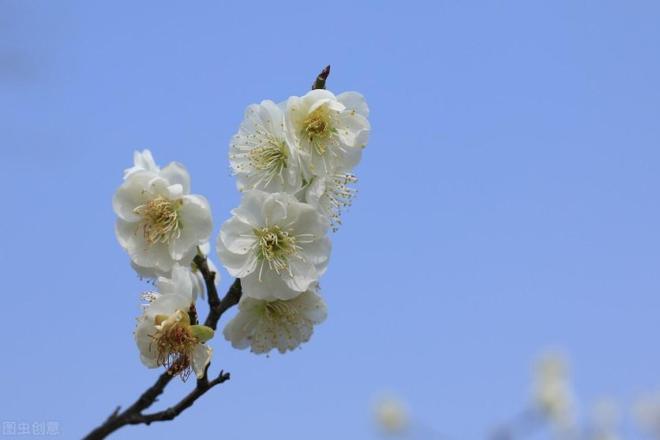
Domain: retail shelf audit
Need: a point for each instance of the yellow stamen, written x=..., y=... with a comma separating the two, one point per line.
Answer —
x=270, y=157
x=275, y=246
x=317, y=128
x=161, y=222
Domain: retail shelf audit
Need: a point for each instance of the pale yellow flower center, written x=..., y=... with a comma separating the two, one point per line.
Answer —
x=317, y=128
x=161, y=220
x=275, y=246
x=280, y=311
x=270, y=158
x=277, y=308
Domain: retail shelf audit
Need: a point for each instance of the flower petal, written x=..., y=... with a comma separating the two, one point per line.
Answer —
x=176, y=173
x=196, y=224
x=131, y=194
x=200, y=359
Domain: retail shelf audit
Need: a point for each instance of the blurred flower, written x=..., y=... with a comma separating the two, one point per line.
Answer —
x=647, y=413
x=282, y=324
x=165, y=335
x=275, y=244
x=158, y=221
x=552, y=391
x=261, y=156
x=330, y=131
x=605, y=420
x=391, y=415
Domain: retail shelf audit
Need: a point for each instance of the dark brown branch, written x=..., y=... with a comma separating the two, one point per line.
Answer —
x=203, y=385
x=319, y=82
x=217, y=306
x=118, y=419
x=133, y=415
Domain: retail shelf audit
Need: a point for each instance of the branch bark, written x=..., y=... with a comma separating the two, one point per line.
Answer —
x=217, y=306
x=134, y=415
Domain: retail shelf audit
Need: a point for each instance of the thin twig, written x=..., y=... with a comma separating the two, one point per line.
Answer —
x=133, y=415
x=203, y=385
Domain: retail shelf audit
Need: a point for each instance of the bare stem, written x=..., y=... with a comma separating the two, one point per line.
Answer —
x=134, y=414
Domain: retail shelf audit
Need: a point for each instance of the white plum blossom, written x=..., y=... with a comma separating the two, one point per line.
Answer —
x=331, y=195
x=275, y=244
x=197, y=279
x=165, y=335
x=260, y=154
x=158, y=221
x=330, y=131
x=280, y=324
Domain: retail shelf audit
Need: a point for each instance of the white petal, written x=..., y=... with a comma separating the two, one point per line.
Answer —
x=179, y=282
x=310, y=221
x=250, y=210
x=143, y=339
x=196, y=225
x=238, y=265
x=354, y=102
x=131, y=194
x=146, y=272
x=200, y=359
x=270, y=286
x=141, y=161
x=353, y=127
x=168, y=304
x=176, y=173
x=275, y=208
x=126, y=232
x=237, y=236
x=303, y=275
x=318, y=252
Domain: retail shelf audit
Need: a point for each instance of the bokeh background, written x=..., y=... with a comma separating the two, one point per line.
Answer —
x=508, y=203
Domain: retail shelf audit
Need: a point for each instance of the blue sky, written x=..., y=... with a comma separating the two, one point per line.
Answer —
x=508, y=203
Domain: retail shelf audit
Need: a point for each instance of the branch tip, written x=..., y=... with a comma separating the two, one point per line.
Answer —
x=319, y=82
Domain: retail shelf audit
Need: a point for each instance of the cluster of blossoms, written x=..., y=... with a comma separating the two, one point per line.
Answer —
x=162, y=227
x=293, y=164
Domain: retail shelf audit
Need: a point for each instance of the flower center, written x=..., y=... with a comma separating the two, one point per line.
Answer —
x=270, y=157
x=280, y=311
x=174, y=342
x=161, y=220
x=317, y=127
x=275, y=246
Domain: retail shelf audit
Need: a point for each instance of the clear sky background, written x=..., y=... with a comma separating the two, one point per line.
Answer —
x=508, y=203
